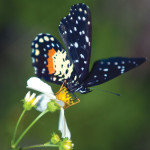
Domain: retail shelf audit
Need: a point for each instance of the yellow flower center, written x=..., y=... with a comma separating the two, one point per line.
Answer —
x=31, y=101
x=66, y=97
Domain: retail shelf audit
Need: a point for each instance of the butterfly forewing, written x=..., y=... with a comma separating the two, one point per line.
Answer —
x=50, y=60
x=107, y=69
x=75, y=31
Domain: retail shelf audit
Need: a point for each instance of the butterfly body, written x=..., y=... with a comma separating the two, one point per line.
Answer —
x=81, y=88
x=54, y=64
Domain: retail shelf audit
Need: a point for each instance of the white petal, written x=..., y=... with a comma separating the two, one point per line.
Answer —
x=42, y=103
x=32, y=96
x=61, y=118
x=60, y=103
x=63, y=125
x=27, y=96
x=66, y=130
x=38, y=85
x=36, y=100
x=50, y=96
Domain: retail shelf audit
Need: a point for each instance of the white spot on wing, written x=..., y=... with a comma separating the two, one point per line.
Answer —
x=85, y=12
x=115, y=63
x=75, y=78
x=87, y=39
x=76, y=45
x=37, y=52
x=43, y=70
x=83, y=18
x=82, y=56
x=36, y=38
x=36, y=45
x=119, y=67
x=80, y=9
x=33, y=60
x=106, y=69
x=83, y=32
x=53, y=44
x=88, y=22
x=105, y=75
x=75, y=29
x=52, y=39
x=46, y=38
x=123, y=62
x=54, y=78
x=76, y=61
x=41, y=40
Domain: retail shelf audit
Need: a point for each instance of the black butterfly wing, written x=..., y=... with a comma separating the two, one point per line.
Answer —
x=107, y=69
x=50, y=60
x=75, y=31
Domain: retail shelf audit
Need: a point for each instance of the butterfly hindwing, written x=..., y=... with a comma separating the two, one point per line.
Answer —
x=75, y=31
x=50, y=60
x=107, y=69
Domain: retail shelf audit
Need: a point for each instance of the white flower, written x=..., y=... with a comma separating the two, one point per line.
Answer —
x=38, y=85
x=48, y=95
x=30, y=100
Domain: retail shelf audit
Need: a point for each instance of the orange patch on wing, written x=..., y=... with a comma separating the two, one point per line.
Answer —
x=50, y=64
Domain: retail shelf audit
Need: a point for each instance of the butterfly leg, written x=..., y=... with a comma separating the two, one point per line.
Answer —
x=78, y=101
x=62, y=86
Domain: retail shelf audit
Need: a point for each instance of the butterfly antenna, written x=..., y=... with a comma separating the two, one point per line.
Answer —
x=107, y=91
x=76, y=97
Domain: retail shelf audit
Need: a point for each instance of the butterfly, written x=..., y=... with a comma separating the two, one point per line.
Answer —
x=54, y=64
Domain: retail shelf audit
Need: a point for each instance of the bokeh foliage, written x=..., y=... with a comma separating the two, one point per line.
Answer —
x=101, y=121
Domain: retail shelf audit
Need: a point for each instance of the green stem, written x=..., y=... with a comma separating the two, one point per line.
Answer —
x=40, y=145
x=18, y=122
x=27, y=129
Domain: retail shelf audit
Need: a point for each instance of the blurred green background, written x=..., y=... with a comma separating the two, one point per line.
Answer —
x=101, y=120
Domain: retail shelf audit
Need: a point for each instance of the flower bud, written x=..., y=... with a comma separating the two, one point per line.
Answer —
x=30, y=101
x=66, y=145
x=55, y=138
x=52, y=106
